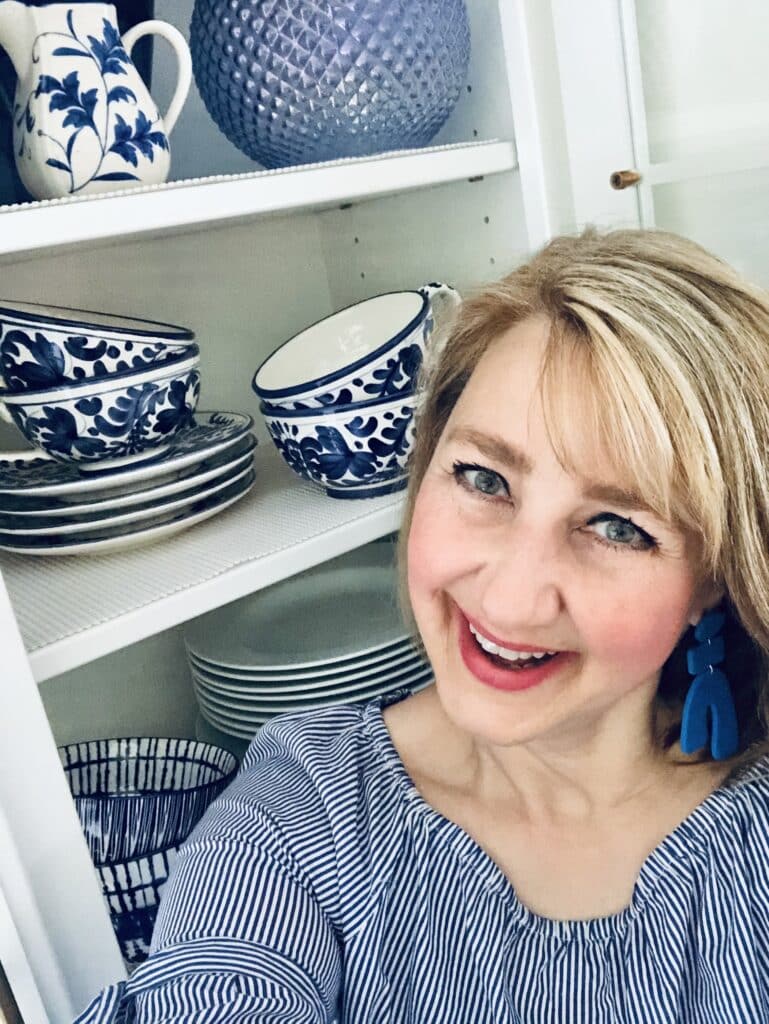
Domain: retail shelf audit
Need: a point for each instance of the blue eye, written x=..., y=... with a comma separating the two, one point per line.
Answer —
x=622, y=533
x=480, y=480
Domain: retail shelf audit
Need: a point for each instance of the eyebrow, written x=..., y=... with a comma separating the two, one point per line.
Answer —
x=499, y=450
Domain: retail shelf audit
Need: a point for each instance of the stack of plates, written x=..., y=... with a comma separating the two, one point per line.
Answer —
x=52, y=508
x=332, y=635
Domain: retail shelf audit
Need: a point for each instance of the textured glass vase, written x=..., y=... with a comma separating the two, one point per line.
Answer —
x=297, y=81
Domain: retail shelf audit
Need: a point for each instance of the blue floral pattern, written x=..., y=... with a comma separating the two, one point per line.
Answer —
x=91, y=97
x=365, y=449
x=32, y=359
x=124, y=422
x=38, y=476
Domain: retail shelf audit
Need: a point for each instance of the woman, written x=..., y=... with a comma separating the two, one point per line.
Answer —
x=553, y=832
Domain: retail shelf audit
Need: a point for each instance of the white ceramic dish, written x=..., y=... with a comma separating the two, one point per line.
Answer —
x=26, y=509
x=237, y=730
x=343, y=608
x=350, y=669
x=126, y=537
x=63, y=527
x=208, y=733
x=38, y=476
x=371, y=349
x=280, y=690
x=111, y=423
x=278, y=703
x=246, y=726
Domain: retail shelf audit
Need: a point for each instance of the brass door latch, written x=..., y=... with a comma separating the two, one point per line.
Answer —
x=624, y=179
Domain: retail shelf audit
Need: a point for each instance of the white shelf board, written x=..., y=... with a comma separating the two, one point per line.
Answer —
x=71, y=610
x=176, y=205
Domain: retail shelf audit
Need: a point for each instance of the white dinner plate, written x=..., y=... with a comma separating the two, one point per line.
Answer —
x=346, y=670
x=258, y=704
x=207, y=733
x=341, y=609
x=134, y=535
x=281, y=691
x=25, y=509
x=241, y=732
x=213, y=432
x=245, y=726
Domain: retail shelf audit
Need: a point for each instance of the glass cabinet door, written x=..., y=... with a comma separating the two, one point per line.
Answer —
x=698, y=90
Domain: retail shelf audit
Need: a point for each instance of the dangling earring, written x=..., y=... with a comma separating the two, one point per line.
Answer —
x=709, y=700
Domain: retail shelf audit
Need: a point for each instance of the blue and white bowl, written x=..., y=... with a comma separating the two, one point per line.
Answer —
x=370, y=350
x=132, y=892
x=45, y=347
x=135, y=795
x=96, y=422
x=359, y=450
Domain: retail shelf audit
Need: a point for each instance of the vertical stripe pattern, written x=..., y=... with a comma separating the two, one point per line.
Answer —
x=321, y=887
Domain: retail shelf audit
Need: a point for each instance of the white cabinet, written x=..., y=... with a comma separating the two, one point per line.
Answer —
x=675, y=90
x=247, y=258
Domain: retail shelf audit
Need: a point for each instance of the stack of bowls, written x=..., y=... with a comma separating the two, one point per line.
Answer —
x=138, y=799
x=338, y=399
x=92, y=388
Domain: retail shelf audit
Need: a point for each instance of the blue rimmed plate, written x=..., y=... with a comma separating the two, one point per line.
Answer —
x=114, y=538
x=212, y=432
x=23, y=509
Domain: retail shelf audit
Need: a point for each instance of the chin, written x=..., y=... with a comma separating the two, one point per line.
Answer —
x=487, y=717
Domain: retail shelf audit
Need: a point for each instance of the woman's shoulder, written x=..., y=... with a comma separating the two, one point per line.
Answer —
x=313, y=776
x=745, y=796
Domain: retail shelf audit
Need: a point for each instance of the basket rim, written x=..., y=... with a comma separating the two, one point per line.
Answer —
x=227, y=776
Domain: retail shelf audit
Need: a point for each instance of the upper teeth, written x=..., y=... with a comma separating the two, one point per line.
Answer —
x=505, y=652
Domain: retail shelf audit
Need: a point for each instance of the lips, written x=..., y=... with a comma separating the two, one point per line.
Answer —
x=494, y=672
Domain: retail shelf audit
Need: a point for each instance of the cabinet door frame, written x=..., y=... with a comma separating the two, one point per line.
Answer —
x=47, y=880
x=589, y=54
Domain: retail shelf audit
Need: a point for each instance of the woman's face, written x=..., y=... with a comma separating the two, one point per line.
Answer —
x=507, y=549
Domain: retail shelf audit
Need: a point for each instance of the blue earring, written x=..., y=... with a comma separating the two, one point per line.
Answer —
x=709, y=708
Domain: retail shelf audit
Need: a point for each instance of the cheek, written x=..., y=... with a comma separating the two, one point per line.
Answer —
x=640, y=631
x=433, y=543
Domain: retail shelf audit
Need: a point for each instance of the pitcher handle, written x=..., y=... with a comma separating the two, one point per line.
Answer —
x=443, y=301
x=183, y=58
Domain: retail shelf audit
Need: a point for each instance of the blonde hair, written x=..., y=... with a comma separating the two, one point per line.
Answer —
x=666, y=350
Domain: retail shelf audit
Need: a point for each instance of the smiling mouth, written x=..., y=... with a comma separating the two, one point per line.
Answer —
x=518, y=665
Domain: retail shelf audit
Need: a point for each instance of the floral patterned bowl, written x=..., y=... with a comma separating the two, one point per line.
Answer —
x=45, y=347
x=108, y=423
x=359, y=450
x=370, y=350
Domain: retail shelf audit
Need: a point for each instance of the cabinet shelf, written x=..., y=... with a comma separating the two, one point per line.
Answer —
x=71, y=610
x=184, y=204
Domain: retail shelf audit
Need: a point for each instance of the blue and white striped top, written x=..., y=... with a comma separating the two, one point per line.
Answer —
x=321, y=886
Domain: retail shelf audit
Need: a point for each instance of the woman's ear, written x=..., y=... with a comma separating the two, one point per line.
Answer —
x=708, y=596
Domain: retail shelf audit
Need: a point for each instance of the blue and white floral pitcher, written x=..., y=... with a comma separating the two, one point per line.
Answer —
x=83, y=120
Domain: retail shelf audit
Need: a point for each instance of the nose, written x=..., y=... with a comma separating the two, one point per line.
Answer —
x=521, y=585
